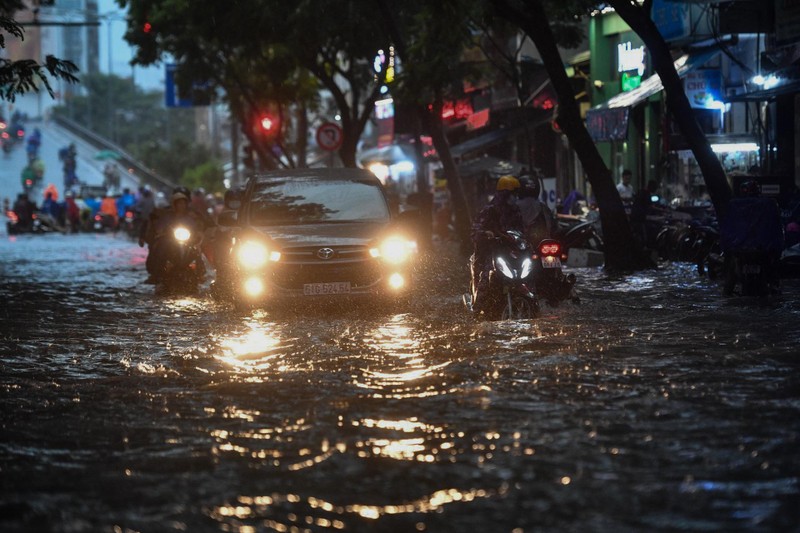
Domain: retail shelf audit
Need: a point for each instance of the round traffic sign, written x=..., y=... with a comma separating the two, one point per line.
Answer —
x=329, y=136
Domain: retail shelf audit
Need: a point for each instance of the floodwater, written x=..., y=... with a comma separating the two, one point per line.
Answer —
x=654, y=405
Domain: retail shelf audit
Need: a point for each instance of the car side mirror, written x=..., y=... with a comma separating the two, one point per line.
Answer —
x=233, y=199
x=228, y=219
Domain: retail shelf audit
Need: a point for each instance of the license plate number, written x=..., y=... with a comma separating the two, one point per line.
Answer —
x=751, y=269
x=550, y=261
x=317, y=289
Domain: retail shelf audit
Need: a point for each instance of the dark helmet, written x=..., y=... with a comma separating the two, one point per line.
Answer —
x=530, y=187
x=749, y=187
x=182, y=190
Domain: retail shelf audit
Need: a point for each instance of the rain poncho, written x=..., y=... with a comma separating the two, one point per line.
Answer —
x=752, y=224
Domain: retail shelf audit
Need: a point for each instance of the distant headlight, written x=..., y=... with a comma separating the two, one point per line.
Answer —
x=395, y=250
x=182, y=234
x=253, y=255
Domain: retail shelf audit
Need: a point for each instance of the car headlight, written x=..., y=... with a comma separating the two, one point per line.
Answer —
x=254, y=255
x=181, y=234
x=395, y=250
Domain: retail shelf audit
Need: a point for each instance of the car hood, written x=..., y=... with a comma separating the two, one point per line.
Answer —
x=344, y=234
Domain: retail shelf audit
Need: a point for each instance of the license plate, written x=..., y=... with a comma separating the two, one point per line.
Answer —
x=317, y=289
x=551, y=261
x=751, y=269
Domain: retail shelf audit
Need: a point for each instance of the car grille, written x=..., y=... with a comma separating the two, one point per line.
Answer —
x=299, y=266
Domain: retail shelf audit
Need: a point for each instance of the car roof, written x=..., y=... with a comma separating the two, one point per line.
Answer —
x=322, y=174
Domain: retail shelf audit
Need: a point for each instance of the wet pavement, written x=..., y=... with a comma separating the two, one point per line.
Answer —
x=654, y=405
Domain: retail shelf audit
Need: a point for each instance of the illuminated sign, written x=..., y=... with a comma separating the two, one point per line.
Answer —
x=629, y=58
x=703, y=88
x=630, y=81
x=382, y=60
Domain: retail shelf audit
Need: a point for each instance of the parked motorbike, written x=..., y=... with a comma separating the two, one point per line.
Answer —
x=511, y=293
x=580, y=234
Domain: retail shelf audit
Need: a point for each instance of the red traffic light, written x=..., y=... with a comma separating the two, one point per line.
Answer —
x=268, y=124
x=147, y=27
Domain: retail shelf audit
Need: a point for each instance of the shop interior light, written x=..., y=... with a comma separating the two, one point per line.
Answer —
x=758, y=79
x=403, y=166
x=771, y=81
x=724, y=148
x=380, y=170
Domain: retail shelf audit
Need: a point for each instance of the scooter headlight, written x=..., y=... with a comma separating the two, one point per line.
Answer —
x=181, y=234
x=504, y=268
x=527, y=268
x=254, y=255
x=395, y=250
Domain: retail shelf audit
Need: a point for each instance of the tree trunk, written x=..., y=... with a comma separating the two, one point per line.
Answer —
x=302, y=137
x=463, y=221
x=713, y=173
x=423, y=186
x=622, y=253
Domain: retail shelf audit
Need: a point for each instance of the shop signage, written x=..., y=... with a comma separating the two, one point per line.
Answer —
x=630, y=81
x=384, y=117
x=703, y=88
x=630, y=58
x=671, y=19
x=610, y=124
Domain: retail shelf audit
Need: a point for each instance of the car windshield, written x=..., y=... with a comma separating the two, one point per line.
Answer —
x=281, y=201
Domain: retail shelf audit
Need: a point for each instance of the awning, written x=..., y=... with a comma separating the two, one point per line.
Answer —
x=388, y=155
x=481, y=142
x=609, y=120
x=653, y=85
x=763, y=95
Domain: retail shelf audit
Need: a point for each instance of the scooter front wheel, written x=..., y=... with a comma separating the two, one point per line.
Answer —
x=520, y=308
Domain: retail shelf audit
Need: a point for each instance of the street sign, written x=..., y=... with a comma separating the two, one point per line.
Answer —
x=198, y=95
x=329, y=136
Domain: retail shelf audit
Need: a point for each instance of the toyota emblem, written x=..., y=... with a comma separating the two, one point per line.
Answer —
x=325, y=253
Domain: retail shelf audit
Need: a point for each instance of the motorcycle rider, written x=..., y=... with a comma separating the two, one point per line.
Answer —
x=537, y=219
x=752, y=225
x=24, y=209
x=498, y=216
x=159, y=223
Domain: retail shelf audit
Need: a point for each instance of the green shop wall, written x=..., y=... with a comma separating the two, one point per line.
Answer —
x=641, y=151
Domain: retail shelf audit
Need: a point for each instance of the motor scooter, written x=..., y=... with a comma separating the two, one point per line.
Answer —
x=184, y=268
x=552, y=285
x=511, y=292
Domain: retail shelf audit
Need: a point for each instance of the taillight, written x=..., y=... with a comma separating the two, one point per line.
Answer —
x=550, y=248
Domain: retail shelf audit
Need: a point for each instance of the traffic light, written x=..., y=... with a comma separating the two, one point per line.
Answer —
x=268, y=125
x=147, y=28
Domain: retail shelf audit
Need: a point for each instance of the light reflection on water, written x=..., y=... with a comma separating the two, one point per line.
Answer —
x=653, y=403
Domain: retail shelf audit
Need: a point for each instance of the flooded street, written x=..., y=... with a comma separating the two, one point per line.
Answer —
x=654, y=405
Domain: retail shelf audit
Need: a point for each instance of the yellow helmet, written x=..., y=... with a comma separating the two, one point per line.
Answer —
x=507, y=183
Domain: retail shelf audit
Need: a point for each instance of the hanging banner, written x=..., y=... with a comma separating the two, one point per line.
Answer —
x=609, y=124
